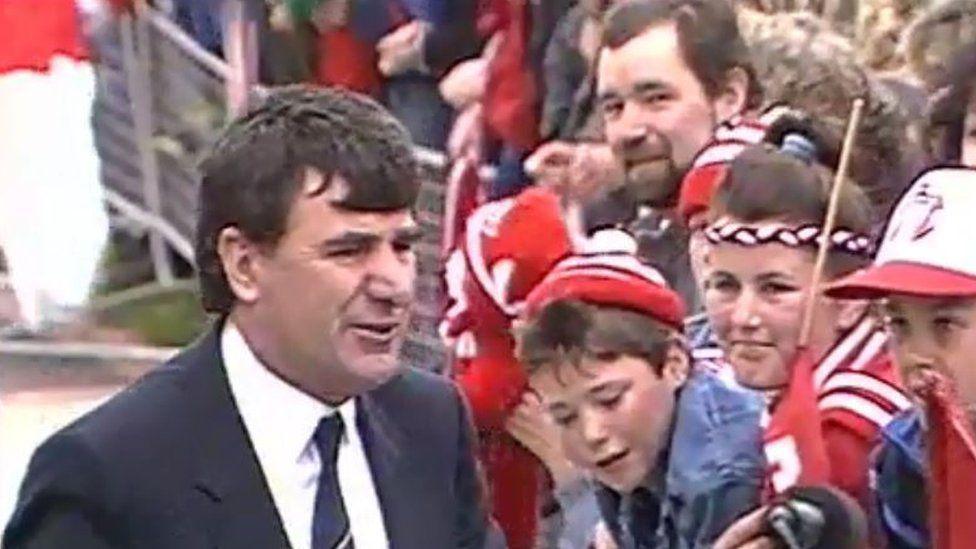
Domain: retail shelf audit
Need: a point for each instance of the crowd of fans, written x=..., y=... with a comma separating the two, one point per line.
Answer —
x=662, y=172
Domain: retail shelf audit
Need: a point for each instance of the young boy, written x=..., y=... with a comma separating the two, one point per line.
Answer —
x=925, y=275
x=674, y=449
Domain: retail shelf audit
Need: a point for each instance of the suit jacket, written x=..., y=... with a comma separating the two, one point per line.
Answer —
x=167, y=464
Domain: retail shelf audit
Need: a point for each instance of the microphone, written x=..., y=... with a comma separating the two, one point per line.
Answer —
x=817, y=517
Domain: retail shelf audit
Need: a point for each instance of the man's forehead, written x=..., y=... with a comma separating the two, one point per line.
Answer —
x=654, y=51
x=381, y=224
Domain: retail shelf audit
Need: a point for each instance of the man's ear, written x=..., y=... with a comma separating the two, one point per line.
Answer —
x=239, y=257
x=734, y=94
x=677, y=364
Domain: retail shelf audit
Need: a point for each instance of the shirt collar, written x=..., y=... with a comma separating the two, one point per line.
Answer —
x=280, y=418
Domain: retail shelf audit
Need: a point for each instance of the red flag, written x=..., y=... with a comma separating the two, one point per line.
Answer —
x=510, y=96
x=793, y=440
x=952, y=468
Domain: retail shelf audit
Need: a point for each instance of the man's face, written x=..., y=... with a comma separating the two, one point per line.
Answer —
x=936, y=334
x=655, y=110
x=614, y=416
x=333, y=295
x=969, y=135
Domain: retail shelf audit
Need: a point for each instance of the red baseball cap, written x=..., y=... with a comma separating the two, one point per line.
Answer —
x=927, y=249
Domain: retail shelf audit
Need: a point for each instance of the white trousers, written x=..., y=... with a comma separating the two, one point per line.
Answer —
x=53, y=224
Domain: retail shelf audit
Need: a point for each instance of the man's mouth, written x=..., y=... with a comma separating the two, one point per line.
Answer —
x=376, y=332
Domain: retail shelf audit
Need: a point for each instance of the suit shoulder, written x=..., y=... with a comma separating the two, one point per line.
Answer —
x=416, y=396
x=147, y=413
x=417, y=383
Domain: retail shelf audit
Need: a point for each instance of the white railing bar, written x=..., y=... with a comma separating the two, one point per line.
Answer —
x=129, y=209
x=91, y=351
x=185, y=42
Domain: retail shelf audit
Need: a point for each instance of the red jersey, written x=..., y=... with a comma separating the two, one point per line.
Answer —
x=825, y=425
x=507, y=246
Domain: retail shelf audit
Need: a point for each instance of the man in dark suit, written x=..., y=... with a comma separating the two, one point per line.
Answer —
x=289, y=424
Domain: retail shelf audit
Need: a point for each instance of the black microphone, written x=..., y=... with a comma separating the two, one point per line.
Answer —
x=817, y=517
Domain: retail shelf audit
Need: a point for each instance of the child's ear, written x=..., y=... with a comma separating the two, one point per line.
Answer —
x=677, y=364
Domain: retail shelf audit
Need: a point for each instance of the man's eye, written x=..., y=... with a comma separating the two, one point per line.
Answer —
x=611, y=402
x=404, y=246
x=652, y=98
x=345, y=253
x=612, y=108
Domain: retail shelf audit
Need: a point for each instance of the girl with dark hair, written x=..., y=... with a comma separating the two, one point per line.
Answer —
x=765, y=225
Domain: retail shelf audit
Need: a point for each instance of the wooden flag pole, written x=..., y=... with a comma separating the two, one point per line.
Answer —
x=829, y=221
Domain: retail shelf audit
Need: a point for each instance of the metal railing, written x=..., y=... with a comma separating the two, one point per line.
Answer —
x=161, y=102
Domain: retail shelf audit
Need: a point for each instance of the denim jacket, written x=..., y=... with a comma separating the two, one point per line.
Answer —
x=712, y=474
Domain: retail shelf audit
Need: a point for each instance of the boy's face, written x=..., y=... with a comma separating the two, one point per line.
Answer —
x=938, y=334
x=614, y=415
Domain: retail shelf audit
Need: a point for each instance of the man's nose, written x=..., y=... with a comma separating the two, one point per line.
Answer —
x=391, y=275
x=633, y=136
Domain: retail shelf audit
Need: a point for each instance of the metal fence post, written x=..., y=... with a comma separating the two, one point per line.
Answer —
x=136, y=65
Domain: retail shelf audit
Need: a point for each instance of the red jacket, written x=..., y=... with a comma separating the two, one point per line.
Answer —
x=825, y=425
x=506, y=249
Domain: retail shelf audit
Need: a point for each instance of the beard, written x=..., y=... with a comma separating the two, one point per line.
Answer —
x=655, y=184
x=652, y=177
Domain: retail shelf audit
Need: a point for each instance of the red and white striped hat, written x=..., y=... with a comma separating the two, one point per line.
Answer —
x=611, y=278
x=710, y=165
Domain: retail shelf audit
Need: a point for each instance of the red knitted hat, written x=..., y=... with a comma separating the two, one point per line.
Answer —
x=611, y=279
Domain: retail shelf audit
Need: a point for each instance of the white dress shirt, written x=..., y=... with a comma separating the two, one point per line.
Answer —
x=280, y=421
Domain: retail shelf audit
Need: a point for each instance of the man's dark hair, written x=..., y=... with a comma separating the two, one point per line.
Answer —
x=255, y=171
x=708, y=35
x=568, y=330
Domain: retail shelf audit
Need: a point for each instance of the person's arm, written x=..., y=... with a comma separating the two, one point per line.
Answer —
x=472, y=527
x=62, y=501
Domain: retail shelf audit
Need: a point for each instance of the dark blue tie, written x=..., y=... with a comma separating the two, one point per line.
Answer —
x=330, y=524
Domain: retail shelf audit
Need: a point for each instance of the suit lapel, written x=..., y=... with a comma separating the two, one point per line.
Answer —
x=229, y=490
x=385, y=451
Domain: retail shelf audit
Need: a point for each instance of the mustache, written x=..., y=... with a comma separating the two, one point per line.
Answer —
x=651, y=146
